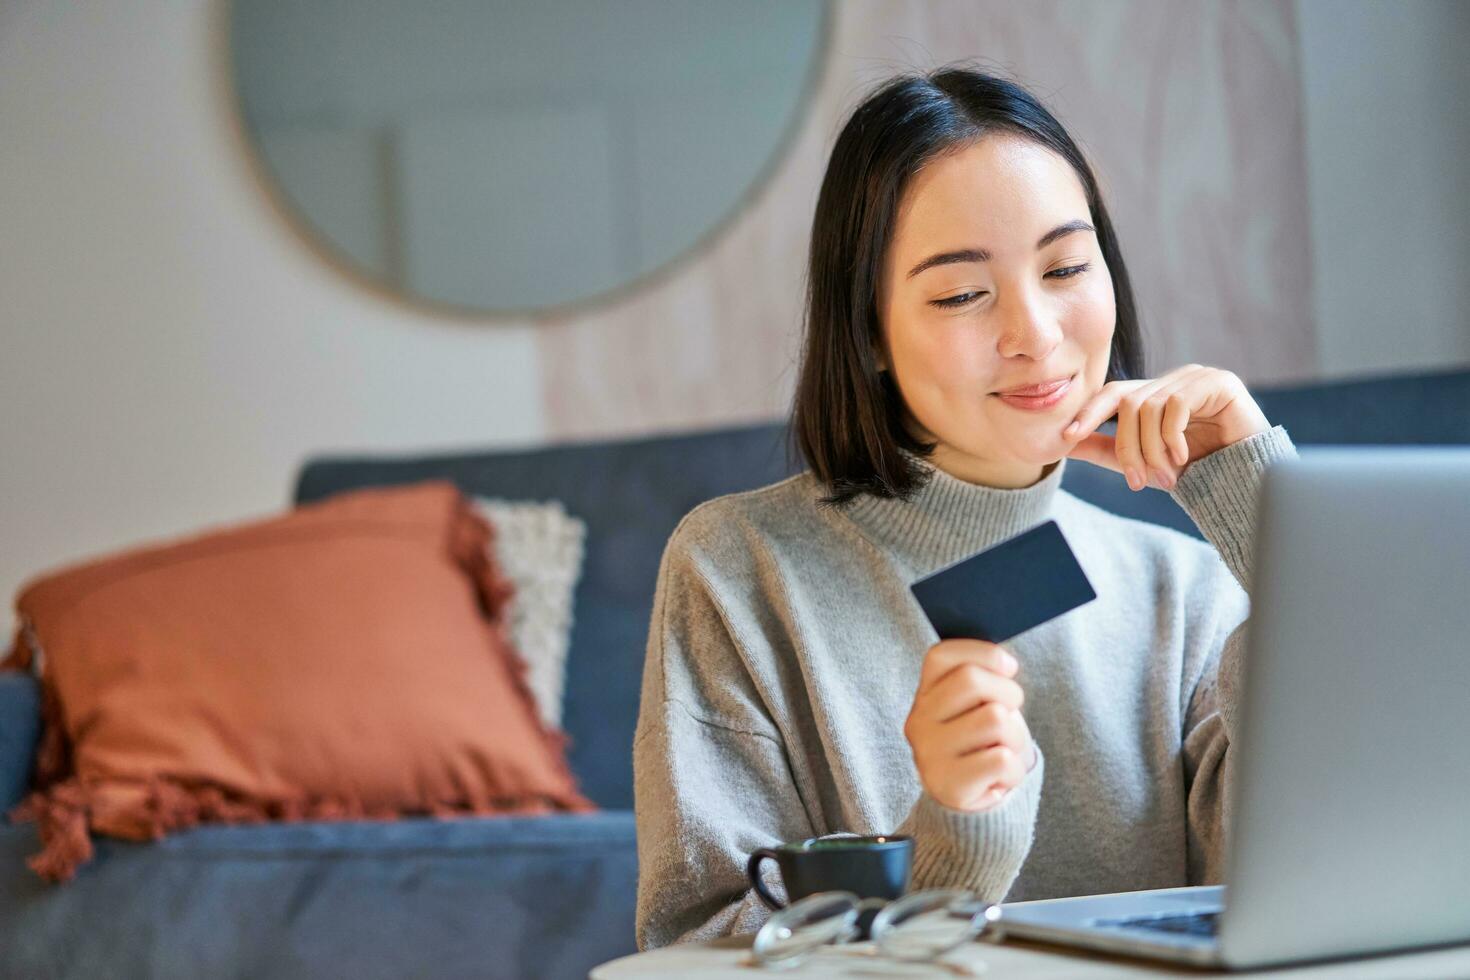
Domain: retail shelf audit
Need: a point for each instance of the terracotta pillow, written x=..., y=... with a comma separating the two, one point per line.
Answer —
x=350, y=659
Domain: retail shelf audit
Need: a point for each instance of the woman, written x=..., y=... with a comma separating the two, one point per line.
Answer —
x=960, y=255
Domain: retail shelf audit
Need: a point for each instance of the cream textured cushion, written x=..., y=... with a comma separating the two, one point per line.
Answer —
x=539, y=547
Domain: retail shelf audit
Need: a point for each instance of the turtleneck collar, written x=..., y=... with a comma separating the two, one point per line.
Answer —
x=949, y=518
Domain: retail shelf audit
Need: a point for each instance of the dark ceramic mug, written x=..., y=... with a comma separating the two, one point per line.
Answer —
x=870, y=867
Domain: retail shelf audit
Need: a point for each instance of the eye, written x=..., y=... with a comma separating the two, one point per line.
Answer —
x=1070, y=271
x=959, y=300
x=964, y=298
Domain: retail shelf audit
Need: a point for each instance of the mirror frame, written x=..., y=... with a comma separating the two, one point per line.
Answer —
x=329, y=252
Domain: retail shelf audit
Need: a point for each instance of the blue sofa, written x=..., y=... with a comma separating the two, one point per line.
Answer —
x=509, y=897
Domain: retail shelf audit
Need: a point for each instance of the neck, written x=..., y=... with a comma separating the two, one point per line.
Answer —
x=948, y=518
x=1017, y=476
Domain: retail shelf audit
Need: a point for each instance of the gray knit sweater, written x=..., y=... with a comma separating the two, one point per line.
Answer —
x=784, y=654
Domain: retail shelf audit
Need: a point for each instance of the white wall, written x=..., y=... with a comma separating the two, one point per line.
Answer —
x=1386, y=87
x=171, y=351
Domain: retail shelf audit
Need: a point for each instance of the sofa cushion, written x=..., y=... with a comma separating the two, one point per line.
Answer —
x=524, y=897
x=349, y=659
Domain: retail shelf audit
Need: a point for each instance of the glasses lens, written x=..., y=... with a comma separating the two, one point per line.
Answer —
x=802, y=926
x=923, y=925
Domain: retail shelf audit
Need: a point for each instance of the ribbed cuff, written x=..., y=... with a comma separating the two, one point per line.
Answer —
x=982, y=850
x=1220, y=491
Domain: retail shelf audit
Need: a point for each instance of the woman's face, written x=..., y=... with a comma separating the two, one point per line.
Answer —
x=1014, y=299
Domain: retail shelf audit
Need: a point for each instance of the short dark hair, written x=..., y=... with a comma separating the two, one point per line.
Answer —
x=846, y=416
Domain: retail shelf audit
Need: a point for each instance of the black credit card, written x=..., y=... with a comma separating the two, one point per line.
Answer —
x=1006, y=589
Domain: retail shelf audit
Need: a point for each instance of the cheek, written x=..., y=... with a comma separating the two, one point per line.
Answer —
x=1091, y=318
x=940, y=372
x=942, y=357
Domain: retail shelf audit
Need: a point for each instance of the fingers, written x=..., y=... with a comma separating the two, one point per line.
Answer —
x=946, y=655
x=1168, y=416
x=1097, y=449
x=989, y=799
x=1115, y=451
x=1157, y=467
x=1125, y=438
x=1172, y=396
x=1129, y=440
x=1176, y=417
x=982, y=727
x=1016, y=734
x=1148, y=445
x=969, y=739
x=1102, y=407
x=978, y=781
x=966, y=688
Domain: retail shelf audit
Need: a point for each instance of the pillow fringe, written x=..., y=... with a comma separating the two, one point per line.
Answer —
x=61, y=813
x=64, y=811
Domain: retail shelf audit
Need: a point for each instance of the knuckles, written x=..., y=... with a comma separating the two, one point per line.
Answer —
x=973, y=674
x=993, y=715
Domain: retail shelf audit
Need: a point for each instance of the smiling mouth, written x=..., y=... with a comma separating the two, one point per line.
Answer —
x=1047, y=401
x=1035, y=391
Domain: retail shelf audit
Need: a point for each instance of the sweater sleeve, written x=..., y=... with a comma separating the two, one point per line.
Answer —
x=711, y=777
x=981, y=850
x=1220, y=493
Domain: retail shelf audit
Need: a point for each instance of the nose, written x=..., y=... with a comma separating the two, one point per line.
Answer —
x=1028, y=327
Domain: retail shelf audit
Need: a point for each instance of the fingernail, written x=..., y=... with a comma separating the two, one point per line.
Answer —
x=1012, y=663
x=1165, y=480
x=1133, y=481
x=1069, y=430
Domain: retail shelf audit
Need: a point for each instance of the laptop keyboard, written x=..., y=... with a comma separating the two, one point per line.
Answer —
x=1188, y=923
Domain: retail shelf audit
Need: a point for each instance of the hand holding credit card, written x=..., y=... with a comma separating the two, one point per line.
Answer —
x=1006, y=589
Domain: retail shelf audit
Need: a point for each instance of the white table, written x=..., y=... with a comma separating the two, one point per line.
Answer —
x=730, y=959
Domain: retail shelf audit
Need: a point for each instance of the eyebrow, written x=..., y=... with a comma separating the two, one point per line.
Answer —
x=981, y=255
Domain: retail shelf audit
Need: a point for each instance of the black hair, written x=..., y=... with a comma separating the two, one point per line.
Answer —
x=846, y=416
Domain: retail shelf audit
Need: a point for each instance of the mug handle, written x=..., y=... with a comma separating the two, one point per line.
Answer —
x=753, y=872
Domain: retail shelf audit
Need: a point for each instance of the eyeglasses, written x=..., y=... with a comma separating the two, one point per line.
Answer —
x=917, y=927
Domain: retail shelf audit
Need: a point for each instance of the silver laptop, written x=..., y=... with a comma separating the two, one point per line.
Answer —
x=1351, y=797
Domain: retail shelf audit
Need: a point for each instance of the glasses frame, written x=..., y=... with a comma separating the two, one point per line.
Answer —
x=772, y=930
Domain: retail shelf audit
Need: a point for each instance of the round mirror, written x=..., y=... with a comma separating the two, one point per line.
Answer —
x=515, y=157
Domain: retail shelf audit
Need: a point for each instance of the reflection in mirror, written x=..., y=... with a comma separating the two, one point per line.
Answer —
x=512, y=156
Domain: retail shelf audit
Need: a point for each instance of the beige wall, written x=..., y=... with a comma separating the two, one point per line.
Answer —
x=1190, y=113
x=172, y=351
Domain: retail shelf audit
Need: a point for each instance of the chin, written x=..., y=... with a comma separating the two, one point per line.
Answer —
x=1042, y=450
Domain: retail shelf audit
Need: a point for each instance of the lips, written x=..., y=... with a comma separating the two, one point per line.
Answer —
x=1033, y=391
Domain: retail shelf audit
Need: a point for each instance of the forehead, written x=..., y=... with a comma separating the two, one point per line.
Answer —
x=1000, y=193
